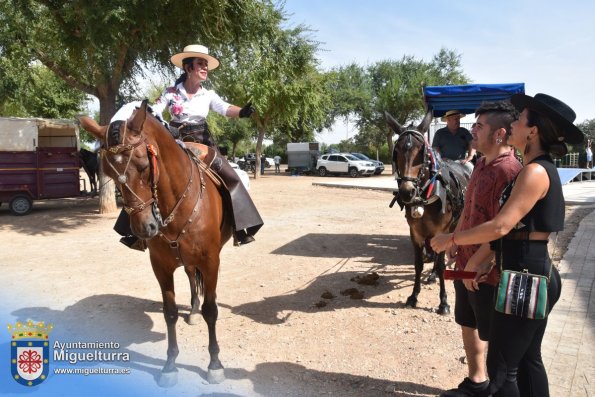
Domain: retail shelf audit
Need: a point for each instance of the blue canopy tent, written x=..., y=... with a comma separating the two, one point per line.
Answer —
x=467, y=98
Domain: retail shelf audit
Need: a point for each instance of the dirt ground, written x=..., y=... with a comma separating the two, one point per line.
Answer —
x=286, y=325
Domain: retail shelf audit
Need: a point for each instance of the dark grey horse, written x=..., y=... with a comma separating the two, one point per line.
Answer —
x=90, y=163
x=431, y=192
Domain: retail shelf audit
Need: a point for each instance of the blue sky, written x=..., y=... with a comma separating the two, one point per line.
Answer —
x=549, y=46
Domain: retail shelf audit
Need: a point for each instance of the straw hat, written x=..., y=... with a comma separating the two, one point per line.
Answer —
x=195, y=51
x=451, y=113
x=557, y=111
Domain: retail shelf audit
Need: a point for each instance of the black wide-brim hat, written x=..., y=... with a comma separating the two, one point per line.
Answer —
x=557, y=111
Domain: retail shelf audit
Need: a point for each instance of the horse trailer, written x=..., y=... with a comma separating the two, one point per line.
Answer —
x=39, y=159
x=302, y=157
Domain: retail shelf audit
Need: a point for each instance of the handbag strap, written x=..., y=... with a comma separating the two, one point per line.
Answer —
x=499, y=256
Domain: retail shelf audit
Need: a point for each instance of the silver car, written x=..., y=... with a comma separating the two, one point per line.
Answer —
x=379, y=164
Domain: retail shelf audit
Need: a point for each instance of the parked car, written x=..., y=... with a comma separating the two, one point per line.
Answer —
x=343, y=163
x=251, y=158
x=379, y=164
x=244, y=177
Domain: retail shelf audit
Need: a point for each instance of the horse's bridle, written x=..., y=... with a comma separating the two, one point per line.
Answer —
x=425, y=167
x=152, y=155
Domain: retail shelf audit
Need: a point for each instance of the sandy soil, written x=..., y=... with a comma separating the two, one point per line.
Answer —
x=285, y=327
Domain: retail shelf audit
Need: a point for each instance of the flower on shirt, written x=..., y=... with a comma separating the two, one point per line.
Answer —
x=177, y=109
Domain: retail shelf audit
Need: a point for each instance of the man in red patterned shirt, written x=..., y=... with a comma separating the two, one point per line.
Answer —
x=493, y=172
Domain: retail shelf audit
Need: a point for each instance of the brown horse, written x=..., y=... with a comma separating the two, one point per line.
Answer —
x=156, y=176
x=427, y=214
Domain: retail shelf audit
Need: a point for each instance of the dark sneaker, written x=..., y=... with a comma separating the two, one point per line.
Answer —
x=468, y=388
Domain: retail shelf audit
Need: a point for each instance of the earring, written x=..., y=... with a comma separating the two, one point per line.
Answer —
x=498, y=141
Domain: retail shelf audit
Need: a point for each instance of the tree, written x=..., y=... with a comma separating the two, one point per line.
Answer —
x=392, y=86
x=230, y=131
x=350, y=89
x=588, y=128
x=96, y=47
x=277, y=73
x=36, y=92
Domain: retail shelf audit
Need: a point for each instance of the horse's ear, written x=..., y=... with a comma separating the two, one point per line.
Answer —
x=425, y=123
x=393, y=124
x=92, y=127
x=138, y=118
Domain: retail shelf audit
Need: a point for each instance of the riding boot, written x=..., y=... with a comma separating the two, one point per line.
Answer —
x=247, y=220
x=122, y=227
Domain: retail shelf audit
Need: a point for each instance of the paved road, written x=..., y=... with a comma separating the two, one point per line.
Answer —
x=569, y=344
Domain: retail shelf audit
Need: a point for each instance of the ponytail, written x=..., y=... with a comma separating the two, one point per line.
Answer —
x=549, y=133
x=181, y=79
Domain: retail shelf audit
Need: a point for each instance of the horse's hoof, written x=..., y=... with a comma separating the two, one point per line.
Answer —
x=431, y=278
x=194, y=318
x=215, y=376
x=443, y=310
x=411, y=302
x=168, y=379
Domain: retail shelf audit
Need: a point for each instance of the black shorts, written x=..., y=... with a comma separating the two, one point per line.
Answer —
x=474, y=309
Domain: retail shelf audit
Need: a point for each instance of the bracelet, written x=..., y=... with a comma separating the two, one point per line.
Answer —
x=452, y=238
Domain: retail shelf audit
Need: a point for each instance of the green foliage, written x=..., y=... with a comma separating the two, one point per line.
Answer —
x=36, y=92
x=230, y=132
x=349, y=88
x=277, y=73
x=390, y=86
x=588, y=128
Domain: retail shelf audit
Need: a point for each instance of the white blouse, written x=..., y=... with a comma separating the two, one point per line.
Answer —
x=183, y=109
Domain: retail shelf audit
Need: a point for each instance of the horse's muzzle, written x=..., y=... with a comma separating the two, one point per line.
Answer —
x=144, y=225
x=407, y=191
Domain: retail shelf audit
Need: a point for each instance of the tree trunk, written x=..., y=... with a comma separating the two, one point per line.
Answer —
x=107, y=193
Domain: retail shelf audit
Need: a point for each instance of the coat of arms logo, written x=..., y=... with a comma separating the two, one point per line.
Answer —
x=29, y=352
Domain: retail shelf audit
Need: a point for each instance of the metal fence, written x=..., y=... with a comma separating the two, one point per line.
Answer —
x=568, y=161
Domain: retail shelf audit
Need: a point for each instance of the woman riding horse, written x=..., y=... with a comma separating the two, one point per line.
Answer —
x=175, y=205
x=189, y=103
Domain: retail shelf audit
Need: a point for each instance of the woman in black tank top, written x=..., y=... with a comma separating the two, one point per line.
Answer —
x=531, y=209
